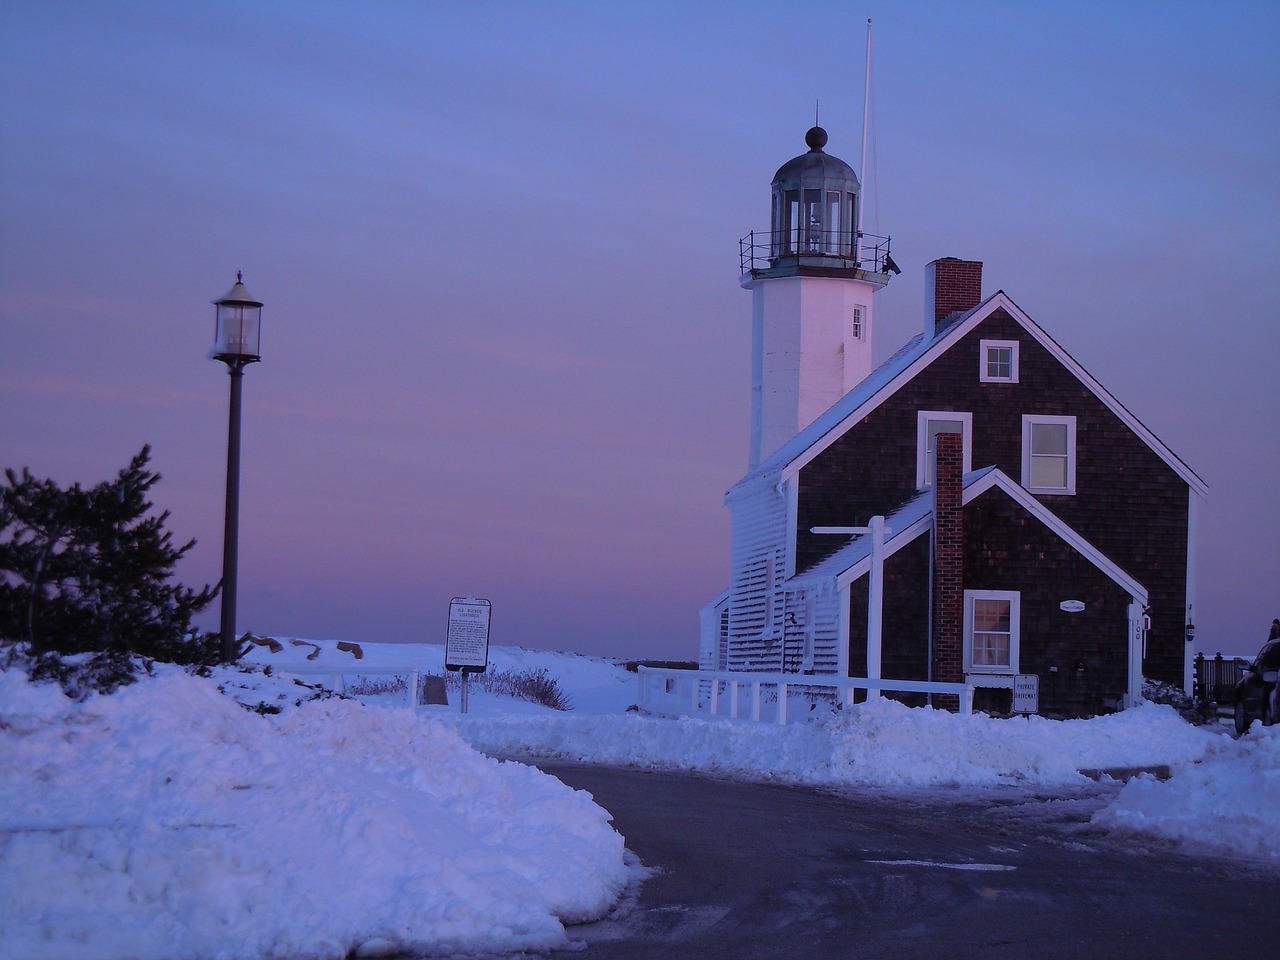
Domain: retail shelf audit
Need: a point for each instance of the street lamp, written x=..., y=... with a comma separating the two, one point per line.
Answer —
x=237, y=332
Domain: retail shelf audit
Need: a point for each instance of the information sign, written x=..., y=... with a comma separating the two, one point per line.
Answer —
x=1026, y=693
x=467, y=645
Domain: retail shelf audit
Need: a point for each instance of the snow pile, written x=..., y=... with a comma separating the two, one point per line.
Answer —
x=879, y=743
x=1230, y=801
x=167, y=821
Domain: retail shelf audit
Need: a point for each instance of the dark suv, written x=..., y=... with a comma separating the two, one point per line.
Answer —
x=1254, y=699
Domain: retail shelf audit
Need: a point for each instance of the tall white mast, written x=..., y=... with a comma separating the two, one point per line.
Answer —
x=862, y=168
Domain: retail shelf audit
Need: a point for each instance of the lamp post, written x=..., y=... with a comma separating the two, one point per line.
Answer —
x=236, y=341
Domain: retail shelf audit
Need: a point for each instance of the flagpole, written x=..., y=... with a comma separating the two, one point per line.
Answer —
x=866, y=100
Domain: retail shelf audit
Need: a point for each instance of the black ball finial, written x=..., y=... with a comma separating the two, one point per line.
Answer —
x=816, y=138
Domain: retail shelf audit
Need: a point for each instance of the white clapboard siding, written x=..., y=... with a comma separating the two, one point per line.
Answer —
x=757, y=569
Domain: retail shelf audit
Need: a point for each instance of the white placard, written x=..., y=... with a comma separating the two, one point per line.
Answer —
x=1071, y=606
x=1026, y=693
x=467, y=645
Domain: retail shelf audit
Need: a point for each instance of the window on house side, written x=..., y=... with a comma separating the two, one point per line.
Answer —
x=930, y=423
x=857, y=323
x=998, y=361
x=991, y=631
x=1049, y=454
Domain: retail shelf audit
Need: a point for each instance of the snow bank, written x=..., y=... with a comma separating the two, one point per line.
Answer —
x=878, y=743
x=167, y=821
x=1228, y=802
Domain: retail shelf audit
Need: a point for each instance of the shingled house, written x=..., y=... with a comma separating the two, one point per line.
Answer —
x=1031, y=525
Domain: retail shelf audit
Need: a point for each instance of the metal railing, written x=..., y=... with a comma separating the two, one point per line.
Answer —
x=761, y=250
x=720, y=693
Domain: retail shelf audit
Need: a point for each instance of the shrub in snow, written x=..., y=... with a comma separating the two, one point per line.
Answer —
x=1189, y=709
x=535, y=685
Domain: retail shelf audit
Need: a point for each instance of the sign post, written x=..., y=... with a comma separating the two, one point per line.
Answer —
x=467, y=645
x=1026, y=693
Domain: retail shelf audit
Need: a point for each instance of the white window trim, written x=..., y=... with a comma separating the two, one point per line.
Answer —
x=1015, y=631
x=1028, y=421
x=922, y=440
x=858, y=324
x=983, y=375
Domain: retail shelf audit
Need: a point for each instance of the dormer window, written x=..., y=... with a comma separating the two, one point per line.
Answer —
x=998, y=361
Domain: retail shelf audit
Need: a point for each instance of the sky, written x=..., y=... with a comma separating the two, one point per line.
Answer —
x=504, y=348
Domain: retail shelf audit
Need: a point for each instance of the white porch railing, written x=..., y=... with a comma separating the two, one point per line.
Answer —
x=338, y=676
x=720, y=693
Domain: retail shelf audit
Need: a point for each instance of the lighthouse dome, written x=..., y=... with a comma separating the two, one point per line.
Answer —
x=816, y=164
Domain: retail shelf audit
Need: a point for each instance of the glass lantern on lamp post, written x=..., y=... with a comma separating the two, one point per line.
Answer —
x=236, y=342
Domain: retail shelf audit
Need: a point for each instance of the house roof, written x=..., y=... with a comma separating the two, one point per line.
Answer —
x=915, y=356
x=915, y=517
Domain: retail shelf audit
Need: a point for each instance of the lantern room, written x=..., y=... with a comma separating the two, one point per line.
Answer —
x=815, y=204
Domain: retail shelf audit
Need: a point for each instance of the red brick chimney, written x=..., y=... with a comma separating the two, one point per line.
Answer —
x=951, y=286
x=948, y=565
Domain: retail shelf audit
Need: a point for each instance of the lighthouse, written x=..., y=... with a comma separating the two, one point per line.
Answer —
x=812, y=279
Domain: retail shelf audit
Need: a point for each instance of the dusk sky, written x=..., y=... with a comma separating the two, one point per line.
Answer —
x=504, y=348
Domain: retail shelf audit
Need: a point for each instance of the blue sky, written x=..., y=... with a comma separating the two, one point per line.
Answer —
x=505, y=351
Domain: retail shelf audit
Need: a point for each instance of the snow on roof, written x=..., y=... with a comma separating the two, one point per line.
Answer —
x=916, y=355
x=916, y=517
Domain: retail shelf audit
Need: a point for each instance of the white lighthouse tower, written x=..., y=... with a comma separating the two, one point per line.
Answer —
x=812, y=278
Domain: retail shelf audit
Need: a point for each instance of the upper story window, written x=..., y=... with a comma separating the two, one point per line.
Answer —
x=1049, y=454
x=858, y=328
x=930, y=423
x=992, y=628
x=998, y=361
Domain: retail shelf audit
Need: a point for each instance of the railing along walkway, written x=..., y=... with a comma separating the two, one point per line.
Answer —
x=697, y=693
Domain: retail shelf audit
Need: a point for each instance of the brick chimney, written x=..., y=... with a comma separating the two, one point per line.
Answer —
x=948, y=565
x=951, y=286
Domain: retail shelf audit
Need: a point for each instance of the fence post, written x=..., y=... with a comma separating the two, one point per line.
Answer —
x=715, y=695
x=733, y=705
x=755, y=700
x=782, y=703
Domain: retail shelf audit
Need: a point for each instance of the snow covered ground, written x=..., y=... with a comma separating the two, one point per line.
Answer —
x=167, y=821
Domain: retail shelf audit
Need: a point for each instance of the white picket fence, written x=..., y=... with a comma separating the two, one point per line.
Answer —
x=669, y=692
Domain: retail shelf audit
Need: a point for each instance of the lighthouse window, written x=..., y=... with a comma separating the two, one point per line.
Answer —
x=857, y=323
x=791, y=221
x=998, y=361
x=833, y=222
x=813, y=220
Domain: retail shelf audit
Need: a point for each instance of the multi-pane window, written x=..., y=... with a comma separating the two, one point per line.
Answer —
x=991, y=631
x=930, y=423
x=1049, y=454
x=998, y=361
x=857, y=323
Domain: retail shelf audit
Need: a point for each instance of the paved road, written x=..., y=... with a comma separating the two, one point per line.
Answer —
x=755, y=871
